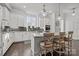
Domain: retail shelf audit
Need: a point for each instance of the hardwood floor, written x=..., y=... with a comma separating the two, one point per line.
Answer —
x=75, y=47
x=23, y=49
x=19, y=49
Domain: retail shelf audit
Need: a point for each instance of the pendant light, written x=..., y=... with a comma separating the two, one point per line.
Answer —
x=73, y=12
x=59, y=16
x=44, y=10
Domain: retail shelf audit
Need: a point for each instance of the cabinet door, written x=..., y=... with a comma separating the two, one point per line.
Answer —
x=12, y=22
x=18, y=37
x=19, y=21
x=0, y=25
x=25, y=36
x=0, y=14
x=11, y=40
x=6, y=44
x=30, y=35
x=5, y=16
x=5, y=13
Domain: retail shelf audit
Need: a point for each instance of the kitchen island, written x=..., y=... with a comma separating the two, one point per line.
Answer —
x=35, y=44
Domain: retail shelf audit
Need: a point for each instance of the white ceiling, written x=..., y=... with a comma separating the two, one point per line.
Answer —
x=36, y=8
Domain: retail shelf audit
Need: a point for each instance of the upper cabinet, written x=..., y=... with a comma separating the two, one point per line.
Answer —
x=0, y=30
x=20, y=20
x=13, y=20
x=5, y=13
x=0, y=14
x=5, y=18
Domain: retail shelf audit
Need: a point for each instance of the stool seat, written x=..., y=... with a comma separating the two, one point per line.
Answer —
x=48, y=46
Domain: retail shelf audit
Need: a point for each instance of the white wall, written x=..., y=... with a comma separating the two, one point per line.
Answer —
x=52, y=22
x=72, y=24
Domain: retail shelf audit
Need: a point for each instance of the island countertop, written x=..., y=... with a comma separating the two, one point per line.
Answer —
x=38, y=34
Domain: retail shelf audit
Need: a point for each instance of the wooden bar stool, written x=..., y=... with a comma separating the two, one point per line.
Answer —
x=47, y=44
x=62, y=42
x=70, y=33
x=59, y=44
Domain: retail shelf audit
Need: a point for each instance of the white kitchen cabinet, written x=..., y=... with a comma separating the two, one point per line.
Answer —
x=7, y=41
x=23, y=36
x=5, y=16
x=30, y=35
x=13, y=20
x=16, y=20
x=12, y=37
x=0, y=30
x=0, y=13
x=27, y=36
x=6, y=36
x=5, y=13
x=9, y=19
x=20, y=20
x=18, y=37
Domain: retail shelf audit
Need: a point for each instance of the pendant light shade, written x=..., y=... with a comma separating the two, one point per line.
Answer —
x=73, y=12
x=59, y=16
x=44, y=12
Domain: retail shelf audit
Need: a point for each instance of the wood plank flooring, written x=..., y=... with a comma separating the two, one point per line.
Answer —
x=22, y=49
x=19, y=49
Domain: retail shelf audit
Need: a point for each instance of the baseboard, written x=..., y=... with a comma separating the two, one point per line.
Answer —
x=8, y=49
x=26, y=41
x=18, y=42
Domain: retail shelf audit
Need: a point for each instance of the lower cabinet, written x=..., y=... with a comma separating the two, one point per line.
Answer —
x=23, y=36
x=18, y=37
x=9, y=38
x=7, y=41
x=27, y=35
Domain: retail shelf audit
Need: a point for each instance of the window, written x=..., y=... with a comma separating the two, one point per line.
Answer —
x=32, y=21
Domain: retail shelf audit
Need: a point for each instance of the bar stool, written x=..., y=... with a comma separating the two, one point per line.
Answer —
x=70, y=33
x=59, y=44
x=47, y=44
